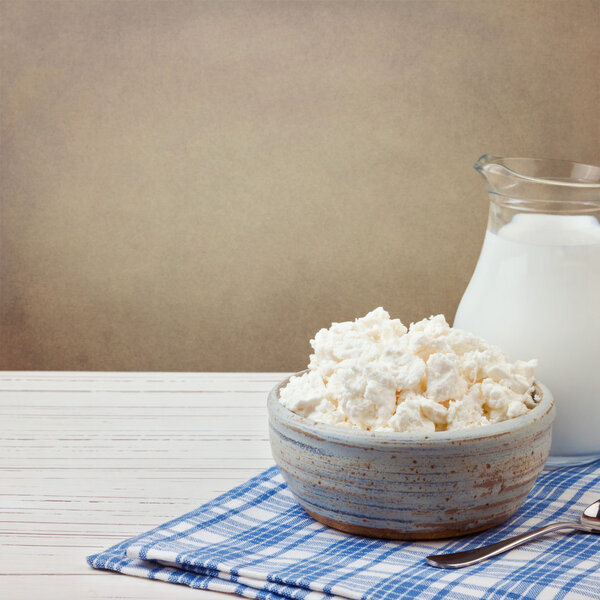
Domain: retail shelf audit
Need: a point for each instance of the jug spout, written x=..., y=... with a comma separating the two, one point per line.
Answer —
x=483, y=162
x=497, y=176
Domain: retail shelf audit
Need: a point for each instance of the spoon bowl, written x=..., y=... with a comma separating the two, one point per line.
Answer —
x=591, y=516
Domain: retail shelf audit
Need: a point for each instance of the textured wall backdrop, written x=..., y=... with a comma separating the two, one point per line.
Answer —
x=203, y=185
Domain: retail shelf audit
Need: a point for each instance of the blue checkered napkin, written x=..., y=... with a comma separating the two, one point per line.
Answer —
x=256, y=541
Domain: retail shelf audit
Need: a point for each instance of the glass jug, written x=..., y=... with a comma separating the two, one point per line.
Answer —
x=535, y=291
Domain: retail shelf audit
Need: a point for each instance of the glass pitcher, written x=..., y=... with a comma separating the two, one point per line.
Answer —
x=535, y=291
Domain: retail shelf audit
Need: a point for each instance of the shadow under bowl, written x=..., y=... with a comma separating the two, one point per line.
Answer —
x=411, y=485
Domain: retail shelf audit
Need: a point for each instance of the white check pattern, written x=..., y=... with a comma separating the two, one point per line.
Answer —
x=255, y=541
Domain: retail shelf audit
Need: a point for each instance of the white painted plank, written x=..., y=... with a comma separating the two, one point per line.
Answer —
x=22, y=403
x=137, y=382
x=51, y=561
x=98, y=585
x=197, y=489
x=137, y=375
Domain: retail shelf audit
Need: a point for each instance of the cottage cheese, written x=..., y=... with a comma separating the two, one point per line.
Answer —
x=375, y=374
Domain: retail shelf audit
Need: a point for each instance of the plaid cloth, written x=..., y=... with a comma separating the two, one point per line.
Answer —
x=257, y=542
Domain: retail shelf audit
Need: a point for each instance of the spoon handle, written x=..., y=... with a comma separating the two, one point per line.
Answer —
x=457, y=560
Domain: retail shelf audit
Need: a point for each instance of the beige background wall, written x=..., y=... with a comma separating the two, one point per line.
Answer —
x=203, y=185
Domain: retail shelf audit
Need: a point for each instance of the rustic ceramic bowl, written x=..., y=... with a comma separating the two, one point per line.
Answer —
x=410, y=485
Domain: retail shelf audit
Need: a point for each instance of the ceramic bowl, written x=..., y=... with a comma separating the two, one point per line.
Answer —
x=410, y=485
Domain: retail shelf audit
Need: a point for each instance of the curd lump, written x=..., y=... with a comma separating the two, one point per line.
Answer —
x=375, y=374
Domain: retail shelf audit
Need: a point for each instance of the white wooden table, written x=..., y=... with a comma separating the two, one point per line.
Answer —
x=89, y=459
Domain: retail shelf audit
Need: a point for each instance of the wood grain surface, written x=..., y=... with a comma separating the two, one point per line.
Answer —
x=88, y=459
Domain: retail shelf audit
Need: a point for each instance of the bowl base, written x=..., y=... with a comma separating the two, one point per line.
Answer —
x=396, y=534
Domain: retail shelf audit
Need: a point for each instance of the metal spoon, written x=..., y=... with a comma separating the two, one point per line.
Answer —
x=589, y=522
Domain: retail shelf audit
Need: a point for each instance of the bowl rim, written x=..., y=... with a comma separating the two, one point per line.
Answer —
x=544, y=411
